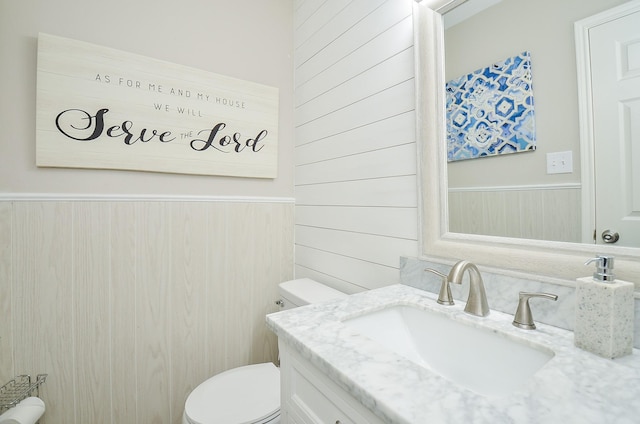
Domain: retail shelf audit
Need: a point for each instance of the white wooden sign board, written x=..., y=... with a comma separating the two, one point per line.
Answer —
x=103, y=108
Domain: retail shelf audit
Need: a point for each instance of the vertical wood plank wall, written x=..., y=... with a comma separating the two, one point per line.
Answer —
x=128, y=305
x=355, y=151
x=541, y=213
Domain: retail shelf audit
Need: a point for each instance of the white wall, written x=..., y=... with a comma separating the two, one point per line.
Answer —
x=249, y=40
x=355, y=146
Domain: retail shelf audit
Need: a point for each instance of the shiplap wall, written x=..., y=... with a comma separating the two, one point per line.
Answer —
x=128, y=305
x=355, y=147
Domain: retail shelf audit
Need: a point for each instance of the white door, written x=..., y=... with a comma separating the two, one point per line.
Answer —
x=615, y=72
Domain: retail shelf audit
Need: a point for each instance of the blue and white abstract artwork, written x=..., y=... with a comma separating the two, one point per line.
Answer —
x=490, y=111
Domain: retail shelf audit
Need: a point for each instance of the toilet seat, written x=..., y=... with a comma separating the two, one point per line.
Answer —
x=244, y=395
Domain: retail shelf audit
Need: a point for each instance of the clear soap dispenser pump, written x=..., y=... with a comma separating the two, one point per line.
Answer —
x=604, y=311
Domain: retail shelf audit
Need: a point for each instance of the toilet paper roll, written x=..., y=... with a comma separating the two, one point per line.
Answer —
x=27, y=411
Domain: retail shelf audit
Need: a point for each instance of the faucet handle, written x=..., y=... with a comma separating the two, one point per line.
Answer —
x=523, y=318
x=444, y=297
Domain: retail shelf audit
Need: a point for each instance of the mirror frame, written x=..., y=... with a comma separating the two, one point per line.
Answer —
x=542, y=258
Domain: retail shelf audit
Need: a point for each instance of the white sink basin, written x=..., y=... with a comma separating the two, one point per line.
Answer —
x=478, y=359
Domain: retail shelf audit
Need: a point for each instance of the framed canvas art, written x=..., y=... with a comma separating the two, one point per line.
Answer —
x=490, y=111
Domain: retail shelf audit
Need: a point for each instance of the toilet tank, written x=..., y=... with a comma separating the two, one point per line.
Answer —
x=304, y=291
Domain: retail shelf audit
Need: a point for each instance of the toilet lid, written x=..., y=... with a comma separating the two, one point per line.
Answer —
x=249, y=394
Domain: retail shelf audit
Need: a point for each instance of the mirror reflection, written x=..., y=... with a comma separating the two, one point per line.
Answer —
x=534, y=194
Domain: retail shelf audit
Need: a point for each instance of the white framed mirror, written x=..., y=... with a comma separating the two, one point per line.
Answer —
x=553, y=259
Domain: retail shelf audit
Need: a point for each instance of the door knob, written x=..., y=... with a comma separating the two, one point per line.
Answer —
x=609, y=237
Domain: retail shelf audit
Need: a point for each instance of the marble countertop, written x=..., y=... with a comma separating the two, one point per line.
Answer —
x=573, y=387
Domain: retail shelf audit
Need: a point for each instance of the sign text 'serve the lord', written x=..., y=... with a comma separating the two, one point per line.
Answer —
x=80, y=125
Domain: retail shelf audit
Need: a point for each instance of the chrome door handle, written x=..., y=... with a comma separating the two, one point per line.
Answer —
x=609, y=237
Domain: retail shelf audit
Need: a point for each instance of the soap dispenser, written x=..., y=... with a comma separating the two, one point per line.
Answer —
x=604, y=311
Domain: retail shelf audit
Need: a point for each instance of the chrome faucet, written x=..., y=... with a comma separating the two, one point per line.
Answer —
x=477, y=300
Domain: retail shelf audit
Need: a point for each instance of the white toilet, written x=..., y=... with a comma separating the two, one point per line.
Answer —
x=251, y=394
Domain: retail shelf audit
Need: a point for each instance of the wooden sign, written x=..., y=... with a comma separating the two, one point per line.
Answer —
x=102, y=108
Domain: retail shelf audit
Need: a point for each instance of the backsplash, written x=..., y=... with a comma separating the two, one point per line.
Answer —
x=502, y=291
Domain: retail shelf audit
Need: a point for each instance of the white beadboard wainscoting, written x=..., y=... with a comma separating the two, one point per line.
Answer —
x=129, y=304
x=355, y=154
x=543, y=212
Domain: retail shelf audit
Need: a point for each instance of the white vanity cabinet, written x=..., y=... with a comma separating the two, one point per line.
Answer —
x=309, y=397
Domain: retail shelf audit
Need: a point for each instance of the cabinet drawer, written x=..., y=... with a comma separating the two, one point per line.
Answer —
x=309, y=397
x=309, y=402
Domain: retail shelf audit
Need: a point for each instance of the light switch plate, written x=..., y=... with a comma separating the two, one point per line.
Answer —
x=560, y=162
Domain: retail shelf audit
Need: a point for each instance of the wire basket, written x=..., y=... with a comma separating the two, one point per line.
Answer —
x=18, y=389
